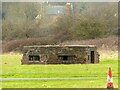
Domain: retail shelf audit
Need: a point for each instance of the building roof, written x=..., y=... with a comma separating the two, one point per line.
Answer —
x=55, y=10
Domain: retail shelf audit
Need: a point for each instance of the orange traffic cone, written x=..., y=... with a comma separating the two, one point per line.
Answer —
x=109, y=79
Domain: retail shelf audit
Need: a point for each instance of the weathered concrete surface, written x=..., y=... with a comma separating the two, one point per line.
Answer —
x=60, y=54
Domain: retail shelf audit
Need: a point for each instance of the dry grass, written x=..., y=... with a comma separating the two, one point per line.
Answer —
x=108, y=54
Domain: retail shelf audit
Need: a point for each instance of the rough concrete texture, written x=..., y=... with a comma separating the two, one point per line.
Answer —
x=57, y=54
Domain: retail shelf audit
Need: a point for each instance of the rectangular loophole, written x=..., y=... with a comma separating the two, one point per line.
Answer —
x=34, y=58
x=65, y=58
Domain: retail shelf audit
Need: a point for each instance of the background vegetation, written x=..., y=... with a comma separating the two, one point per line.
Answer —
x=23, y=21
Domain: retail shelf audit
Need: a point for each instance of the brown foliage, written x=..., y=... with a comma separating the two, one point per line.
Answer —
x=17, y=45
x=109, y=43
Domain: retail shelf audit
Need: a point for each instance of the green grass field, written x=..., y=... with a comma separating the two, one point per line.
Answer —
x=96, y=83
x=12, y=68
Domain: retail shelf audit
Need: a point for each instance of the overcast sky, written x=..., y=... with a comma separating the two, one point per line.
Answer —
x=59, y=0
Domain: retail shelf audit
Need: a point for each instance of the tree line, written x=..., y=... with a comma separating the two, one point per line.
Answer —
x=96, y=20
